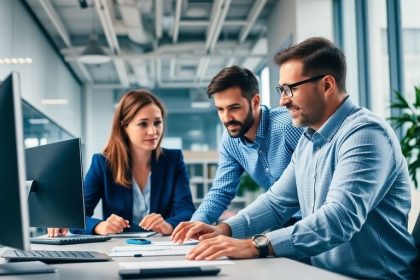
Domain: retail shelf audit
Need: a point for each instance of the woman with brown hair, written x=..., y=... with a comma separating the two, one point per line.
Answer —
x=142, y=186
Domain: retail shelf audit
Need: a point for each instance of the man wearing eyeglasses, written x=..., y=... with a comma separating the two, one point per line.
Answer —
x=257, y=140
x=347, y=175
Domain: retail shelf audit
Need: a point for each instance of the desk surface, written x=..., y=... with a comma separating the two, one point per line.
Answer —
x=269, y=268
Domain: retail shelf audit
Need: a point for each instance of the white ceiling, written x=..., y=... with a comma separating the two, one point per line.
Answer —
x=157, y=43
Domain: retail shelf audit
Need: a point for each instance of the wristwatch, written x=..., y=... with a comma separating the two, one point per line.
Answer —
x=261, y=242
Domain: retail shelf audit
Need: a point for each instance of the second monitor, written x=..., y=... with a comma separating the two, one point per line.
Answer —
x=54, y=175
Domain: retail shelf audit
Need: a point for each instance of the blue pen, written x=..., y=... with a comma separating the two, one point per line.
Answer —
x=138, y=241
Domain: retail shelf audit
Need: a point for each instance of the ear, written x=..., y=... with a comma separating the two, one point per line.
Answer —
x=329, y=85
x=256, y=100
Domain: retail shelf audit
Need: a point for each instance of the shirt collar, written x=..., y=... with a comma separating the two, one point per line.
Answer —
x=331, y=126
x=263, y=125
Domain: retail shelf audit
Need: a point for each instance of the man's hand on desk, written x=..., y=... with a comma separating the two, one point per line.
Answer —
x=54, y=232
x=198, y=230
x=223, y=246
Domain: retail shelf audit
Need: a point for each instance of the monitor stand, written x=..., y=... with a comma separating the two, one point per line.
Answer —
x=25, y=268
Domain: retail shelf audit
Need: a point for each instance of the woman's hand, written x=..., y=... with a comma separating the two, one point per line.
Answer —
x=114, y=224
x=156, y=223
x=54, y=232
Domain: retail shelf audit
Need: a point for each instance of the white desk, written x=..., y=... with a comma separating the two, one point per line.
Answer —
x=256, y=269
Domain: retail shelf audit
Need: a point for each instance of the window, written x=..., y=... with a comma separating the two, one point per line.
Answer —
x=410, y=22
x=378, y=58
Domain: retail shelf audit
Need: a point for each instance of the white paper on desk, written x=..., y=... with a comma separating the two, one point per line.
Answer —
x=139, y=248
x=132, y=234
x=171, y=263
x=155, y=245
x=152, y=252
x=171, y=243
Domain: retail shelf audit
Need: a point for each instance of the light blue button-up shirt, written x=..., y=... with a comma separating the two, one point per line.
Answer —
x=141, y=200
x=351, y=182
x=264, y=160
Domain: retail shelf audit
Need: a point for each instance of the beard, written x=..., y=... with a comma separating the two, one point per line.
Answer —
x=243, y=127
x=309, y=115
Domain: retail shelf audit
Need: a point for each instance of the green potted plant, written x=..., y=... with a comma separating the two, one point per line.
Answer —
x=409, y=121
x=247, y=184
x=248, y=189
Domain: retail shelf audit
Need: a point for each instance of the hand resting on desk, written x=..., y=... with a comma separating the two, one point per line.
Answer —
x=155, y=222
x=214, y=242
x=198, y=230
x=116, y=224
x=54, y=232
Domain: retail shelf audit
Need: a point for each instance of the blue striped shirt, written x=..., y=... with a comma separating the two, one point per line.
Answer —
x=264, y=160
x=351, y=182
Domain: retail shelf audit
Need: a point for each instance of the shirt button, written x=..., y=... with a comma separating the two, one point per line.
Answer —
x=260, y=151
x=267, y=169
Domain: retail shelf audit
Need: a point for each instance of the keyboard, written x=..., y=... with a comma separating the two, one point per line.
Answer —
x=55, y=256
x=69, y=239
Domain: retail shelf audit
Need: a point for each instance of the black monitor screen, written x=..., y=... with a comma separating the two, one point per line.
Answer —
x=13, y=205
x=56, y=198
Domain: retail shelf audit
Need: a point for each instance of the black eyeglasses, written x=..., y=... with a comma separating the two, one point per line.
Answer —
x=288, y=89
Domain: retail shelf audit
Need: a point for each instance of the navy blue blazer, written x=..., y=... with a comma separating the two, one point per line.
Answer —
x=170, y=193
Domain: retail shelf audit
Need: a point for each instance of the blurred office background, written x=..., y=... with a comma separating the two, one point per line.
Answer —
x=175, y=47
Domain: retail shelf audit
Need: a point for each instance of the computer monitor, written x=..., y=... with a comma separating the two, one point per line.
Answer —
x=54, y=171
x=13, y=199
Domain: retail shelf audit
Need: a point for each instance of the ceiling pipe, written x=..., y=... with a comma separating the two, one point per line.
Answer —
x=219, y=25
x=158, y=69
x=132, y=18
x=142, y=74
x=62, y=31
x=177, y=19
x=172, y=69
x=158, y=18
x=111, y=37
x=202, y=68
x=219, y=12
x=252, y=18
x=214, y=17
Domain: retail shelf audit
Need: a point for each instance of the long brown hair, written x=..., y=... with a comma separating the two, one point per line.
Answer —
x=117, y=151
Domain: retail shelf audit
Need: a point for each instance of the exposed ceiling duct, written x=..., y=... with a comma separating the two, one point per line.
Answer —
x=133, y=23
x=158, y=43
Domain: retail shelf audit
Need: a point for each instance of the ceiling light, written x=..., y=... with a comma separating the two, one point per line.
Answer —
x=199, y=99
x=38, y=121
x=200, y=104
x=93, y=53
x=54, y=101
x=15, y=60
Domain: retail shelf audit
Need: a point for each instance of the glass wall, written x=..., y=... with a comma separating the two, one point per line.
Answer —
x=39, y=129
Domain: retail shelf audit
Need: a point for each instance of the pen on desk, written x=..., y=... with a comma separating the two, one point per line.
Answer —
x=138, y=255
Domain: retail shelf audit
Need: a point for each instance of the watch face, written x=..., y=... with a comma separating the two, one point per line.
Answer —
x=261, y=240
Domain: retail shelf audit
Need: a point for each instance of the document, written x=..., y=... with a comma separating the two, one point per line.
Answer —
x=172, y=263
x=133, y=234
x=156, y=248
x=148, y=250
x=155, y=245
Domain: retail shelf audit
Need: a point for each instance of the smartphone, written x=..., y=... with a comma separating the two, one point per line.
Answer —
x=168, y=272
x=138, y=241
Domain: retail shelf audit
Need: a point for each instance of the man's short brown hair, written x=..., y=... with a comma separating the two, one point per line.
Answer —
x=234, y=76
x=319, y=56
